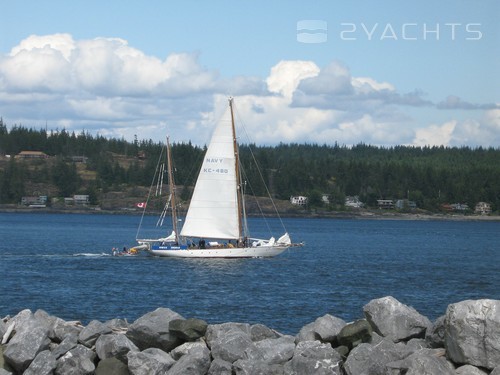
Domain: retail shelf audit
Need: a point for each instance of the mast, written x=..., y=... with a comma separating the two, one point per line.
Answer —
x=239, y=195
x=172, y=189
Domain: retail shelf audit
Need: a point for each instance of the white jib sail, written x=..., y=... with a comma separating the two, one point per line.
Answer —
x=213, y=211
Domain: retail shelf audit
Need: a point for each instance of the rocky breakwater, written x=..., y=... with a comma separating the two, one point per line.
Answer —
x=392, y=339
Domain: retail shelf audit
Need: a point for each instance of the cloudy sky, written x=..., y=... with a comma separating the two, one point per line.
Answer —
x=382, y=73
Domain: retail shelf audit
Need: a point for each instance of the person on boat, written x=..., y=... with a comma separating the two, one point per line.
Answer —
x=124, y=250
x=201, y=244
x=114, y=251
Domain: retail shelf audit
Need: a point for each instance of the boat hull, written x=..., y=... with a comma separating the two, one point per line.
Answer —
x=245, y=252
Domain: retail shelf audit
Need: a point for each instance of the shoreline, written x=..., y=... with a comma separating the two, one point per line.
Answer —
x=364, y=214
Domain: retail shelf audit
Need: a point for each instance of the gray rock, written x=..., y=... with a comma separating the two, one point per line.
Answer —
x=276, y=351
x=231, y=342
x=4, y=365
x=307, y=333
x=61, y=329
x=188, y=329
x=415, y=345
x=151, y=361
x=185, y=348
x=111, y=366
x=3, y=328
x=79, y=360
x=372, y=359
x=66, y=345
x=151, y=330
x=31, y=338
x=248, y=367
x=117, y=324
x=324, y=329
x=260, y=332
x=215, y=331
x=195, y=362
x=423, y=362
x=220, y=367
x=89, y=335
x=43, y=364
x=435, y=334
x=496, y=371
x=313, y=357
x=355, y=333
x=114, y=345
x=5, y=372
x=469, y=370
x=472, y=331
x=390, y=318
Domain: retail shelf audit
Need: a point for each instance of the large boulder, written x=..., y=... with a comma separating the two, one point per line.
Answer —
x=152, y=330
x=185, y=348
x=111, y=366
x=472, y=333
x=372, y=359
x=314, y=357
x=220, y=367
x=79, y=360
x=43, y=364
x=66, y=345
x=152, y=361
x=355, y=333
x=390, y=318
x=62, y=329
x=89, y=335
x=324, y=329
x=188, y=329
x=423, y=362
x=276, y=351
x=249, y=367
x=435, y=334
x=469, y=370
x=260, y=332
x=195, y=362
x=232, y=341
x=31, y=337
x=114, y=345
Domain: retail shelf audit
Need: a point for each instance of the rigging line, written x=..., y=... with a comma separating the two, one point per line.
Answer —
x=258, y=169
x=149, y=192
x=248, y=180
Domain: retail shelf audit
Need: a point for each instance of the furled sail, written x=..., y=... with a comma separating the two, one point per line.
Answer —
x=213, y=211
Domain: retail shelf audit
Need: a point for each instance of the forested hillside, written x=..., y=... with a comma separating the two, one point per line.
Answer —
x=430, y=176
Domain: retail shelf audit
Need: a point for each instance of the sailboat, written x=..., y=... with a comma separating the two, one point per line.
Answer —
x=215, y=225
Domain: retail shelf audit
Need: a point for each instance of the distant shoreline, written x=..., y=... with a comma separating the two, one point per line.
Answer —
x=362, y=214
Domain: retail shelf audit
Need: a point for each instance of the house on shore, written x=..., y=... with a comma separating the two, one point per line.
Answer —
x=32, y=155
x=298, y=200
x=483, y=208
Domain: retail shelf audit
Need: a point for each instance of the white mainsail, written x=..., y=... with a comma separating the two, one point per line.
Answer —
x=213, y=211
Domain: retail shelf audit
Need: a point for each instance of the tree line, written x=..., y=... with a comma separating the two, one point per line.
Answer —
x=430, y=176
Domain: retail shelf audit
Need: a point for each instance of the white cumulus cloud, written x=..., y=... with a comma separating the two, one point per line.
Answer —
x=107, y=86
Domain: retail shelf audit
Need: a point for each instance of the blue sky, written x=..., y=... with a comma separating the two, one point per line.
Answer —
x=388, y=73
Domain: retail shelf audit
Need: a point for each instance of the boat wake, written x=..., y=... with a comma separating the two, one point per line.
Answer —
x=93, y=255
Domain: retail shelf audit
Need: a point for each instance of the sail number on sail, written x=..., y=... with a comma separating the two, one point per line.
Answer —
x=218, y=161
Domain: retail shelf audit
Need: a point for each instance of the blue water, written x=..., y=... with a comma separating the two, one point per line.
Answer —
x=61, y=264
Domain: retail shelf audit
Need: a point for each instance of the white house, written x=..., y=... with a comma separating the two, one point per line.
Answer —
x=298, y=200
x=483, y=208
x=353, y=202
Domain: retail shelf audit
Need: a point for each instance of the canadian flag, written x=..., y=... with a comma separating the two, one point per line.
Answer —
x=141, y=205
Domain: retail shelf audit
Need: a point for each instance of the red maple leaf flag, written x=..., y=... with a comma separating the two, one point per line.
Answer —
x=141, y=205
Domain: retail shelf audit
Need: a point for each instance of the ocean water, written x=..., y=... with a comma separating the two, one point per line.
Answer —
x=62, y=264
